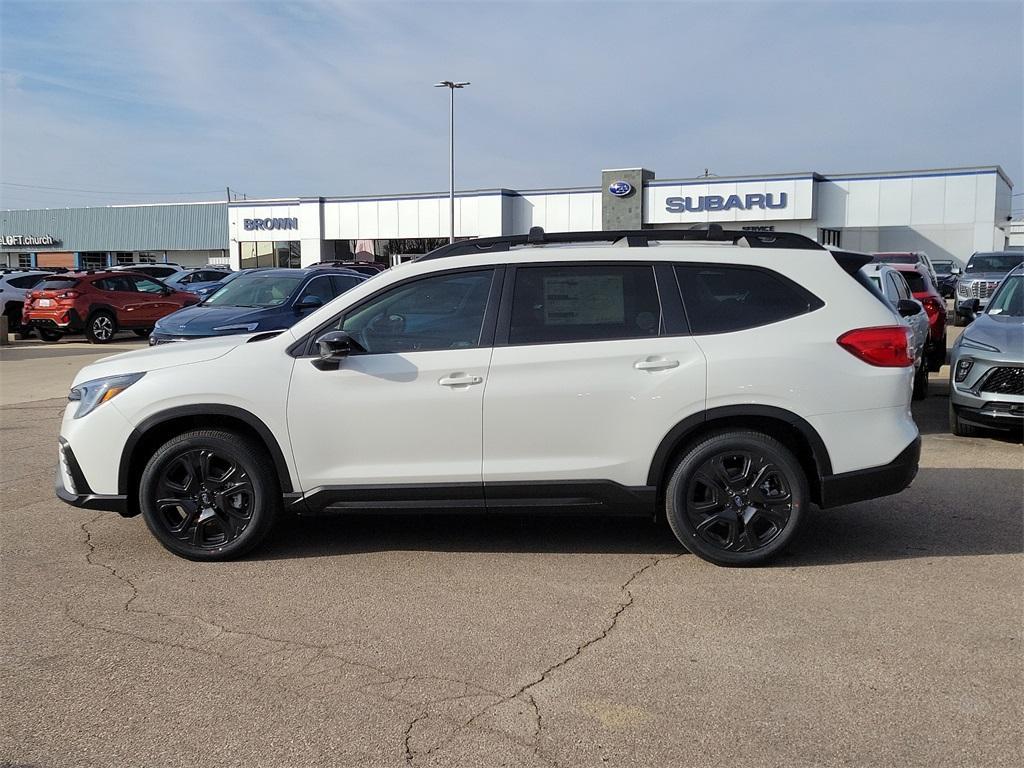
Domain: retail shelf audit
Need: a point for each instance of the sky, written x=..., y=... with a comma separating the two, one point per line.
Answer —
x=122, y=102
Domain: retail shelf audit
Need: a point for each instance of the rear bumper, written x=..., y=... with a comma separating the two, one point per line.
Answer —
x=72, y=487
x=874, y=482
x=68, y=320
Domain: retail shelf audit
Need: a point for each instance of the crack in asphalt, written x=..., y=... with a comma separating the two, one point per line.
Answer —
x=603, y=634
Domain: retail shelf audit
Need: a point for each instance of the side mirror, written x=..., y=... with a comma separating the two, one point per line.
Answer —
x=166, y=291
x=907, y=307
x=309, y=302
x=955, y=271
x=971, y=306
x=335, y=346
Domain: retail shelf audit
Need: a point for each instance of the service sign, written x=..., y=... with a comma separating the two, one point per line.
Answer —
x=729, y=201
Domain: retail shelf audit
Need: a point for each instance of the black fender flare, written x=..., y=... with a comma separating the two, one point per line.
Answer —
x=678, y=434
x=204, y=409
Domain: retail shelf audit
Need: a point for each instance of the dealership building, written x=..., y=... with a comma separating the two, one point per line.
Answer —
x=949, y=212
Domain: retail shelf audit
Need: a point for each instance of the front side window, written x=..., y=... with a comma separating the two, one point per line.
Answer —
x=145, y=285
x=584, y=302
x=320, y=287
x=441, y=312
x=721, y=299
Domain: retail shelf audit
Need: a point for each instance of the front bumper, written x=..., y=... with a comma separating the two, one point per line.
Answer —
x=72, y=487
x=874, y=482
x=167, y=338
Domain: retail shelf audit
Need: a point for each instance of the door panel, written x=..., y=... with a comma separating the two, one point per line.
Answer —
x=587, y=411
x=388, y=419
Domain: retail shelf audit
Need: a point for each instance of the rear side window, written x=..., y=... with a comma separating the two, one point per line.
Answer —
x=584, y=302
x=56, y=285
x=25, y=282
x=720, y=299
x=915, y=281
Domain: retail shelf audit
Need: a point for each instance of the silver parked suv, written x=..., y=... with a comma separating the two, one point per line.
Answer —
x=980, y=279
x=986, y=364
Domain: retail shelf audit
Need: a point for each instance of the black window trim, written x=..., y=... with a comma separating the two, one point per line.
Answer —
x=306, y=346
x=814, y=302
x=672, y=323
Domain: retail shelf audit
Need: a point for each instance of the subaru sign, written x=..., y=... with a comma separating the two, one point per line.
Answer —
x=266, y=224
x=732, y=202
x=620, y=188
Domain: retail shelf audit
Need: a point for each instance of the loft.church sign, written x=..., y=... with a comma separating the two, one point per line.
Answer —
x=23, y=240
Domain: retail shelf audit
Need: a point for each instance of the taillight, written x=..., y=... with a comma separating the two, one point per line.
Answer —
x=887, y=346
x=68, y=296
x=933, y=307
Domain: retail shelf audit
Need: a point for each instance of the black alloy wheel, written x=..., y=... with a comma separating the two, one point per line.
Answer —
x=737, y=498
x=209, y=495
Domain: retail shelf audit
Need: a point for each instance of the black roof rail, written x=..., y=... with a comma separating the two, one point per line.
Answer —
x=636, y=238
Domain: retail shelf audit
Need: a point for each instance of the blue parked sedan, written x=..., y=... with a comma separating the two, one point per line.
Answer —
x=258, y=300
x=196, y=279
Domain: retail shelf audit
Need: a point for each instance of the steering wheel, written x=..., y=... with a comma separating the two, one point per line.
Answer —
x=385, y=324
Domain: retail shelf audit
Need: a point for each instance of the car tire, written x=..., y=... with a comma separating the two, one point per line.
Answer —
x=142, y=333
x=921, y=381
x=718, y=510
x=959, y=427
x=101, y=328
x=49, y=336
x=959, y=320
x=185, y=494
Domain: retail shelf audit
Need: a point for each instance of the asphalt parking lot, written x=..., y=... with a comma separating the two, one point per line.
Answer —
x=890, y=633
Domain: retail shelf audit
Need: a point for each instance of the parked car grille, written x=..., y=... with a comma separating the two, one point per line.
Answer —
x=978, y=289
x=1004, y=381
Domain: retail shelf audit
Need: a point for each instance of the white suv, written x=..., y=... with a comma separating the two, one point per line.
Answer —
x=725, y=379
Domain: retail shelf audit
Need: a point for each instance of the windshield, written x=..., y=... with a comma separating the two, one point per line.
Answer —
x=57, y=285
x=994, y=262
x=896, y=258
x=1009, y=299
x=916, y=281
x=943, y=267
x=255, y=291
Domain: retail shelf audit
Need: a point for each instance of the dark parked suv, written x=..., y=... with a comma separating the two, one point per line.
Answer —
x=100, y=304
x=263, y=300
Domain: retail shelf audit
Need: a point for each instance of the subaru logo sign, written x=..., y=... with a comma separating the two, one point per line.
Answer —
x=620, y=188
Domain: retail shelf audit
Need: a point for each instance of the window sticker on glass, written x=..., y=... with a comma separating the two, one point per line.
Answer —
x=587, y=300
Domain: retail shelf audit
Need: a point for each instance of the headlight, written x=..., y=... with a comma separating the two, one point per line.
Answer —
x=964, y=289
x=969, y=342
x=963, y=367
x=91, y=394
x=238, y=327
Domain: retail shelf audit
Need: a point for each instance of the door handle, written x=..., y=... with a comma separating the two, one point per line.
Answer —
x=655, y=365
x=460, y=380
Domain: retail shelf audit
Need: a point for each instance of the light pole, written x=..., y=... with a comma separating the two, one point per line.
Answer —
x=451, y=86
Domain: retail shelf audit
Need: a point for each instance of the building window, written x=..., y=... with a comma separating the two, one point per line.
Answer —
x=25, y=260
x=93, y=260
x=829, y=236
x=124, y=257
x=283, y=253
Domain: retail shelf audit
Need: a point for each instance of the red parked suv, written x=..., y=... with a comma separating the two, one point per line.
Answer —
x=100, y=304
x=925, y=291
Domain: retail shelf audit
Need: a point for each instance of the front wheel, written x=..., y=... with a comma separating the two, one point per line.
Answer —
x=101, y=328
x=959, y=427
x=921, y=381
x=736, y=498
x=209, y=495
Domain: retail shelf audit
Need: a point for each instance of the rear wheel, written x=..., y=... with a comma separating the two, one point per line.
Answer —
x=100, y=328
x=209, y=495
x=736, y=498
x=921, y=381
x=47, y=335
x=959, y=427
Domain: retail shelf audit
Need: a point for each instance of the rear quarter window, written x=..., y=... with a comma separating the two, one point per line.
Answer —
x=720, y=299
